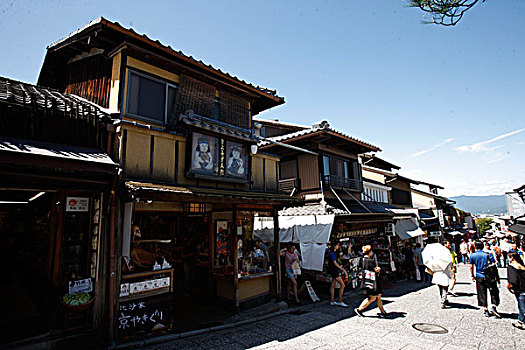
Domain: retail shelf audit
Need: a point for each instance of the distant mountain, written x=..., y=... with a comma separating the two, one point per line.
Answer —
x=481, y=204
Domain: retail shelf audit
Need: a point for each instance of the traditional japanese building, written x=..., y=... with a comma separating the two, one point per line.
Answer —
x=184, y=253
x=55, y=210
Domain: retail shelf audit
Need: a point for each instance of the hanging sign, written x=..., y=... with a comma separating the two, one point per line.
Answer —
x=364, y=232
x=77, y=204
x=441, y=218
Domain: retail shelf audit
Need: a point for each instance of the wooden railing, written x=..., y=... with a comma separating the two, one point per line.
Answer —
x=341, y=182
x=287, y=185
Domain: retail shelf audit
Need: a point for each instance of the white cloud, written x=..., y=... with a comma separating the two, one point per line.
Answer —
x=420, y=153
x=481, y=146
x=485, y=188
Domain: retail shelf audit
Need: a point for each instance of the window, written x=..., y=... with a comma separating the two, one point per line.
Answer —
x=326, y=165
x=217, y=109
x=150, y=99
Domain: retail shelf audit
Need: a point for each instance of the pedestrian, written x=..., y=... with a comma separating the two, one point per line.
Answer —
x=425, y=277
x=291, y=258
x=497, y=252
x=368, y=263
x=505, y=247
x=514, y=249
x=442, y=280
x=408, y=262
x=336, y=271
x=471, y=247
x=453, y=267
x=463, y=249
x=516, y=285
x=478, y=262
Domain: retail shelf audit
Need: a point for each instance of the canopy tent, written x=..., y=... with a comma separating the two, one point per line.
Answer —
x=408, y=228
x=312, y=232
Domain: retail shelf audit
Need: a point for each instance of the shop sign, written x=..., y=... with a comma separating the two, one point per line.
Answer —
x=77, y=204
x=144, y=315
x=354, y=233
x=80, y=286
x=441, y=218
x=434, y=234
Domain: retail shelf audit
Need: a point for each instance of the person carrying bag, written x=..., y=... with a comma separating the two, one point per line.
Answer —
x=370, y=282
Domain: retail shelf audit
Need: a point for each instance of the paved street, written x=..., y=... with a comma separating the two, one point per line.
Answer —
x=322, y=326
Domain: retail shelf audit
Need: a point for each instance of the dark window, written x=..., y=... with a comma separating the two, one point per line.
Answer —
x=150, y=99
x=400, y=197
x=217, y=109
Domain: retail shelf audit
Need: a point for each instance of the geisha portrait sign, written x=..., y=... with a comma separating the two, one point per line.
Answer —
x=204, y=157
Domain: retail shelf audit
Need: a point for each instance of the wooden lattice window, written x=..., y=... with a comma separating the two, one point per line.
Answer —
x=234, y=110
x=195, y=95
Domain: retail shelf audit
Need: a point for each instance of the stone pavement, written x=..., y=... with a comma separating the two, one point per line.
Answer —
x=321, y=326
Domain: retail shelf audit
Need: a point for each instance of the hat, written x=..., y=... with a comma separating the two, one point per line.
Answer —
x=366, y=248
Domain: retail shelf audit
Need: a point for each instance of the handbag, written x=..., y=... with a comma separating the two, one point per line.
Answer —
x=368, y=279
x=296, y=268
x=490, y=270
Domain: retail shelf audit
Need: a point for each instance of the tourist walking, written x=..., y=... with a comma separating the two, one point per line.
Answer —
x=505, y=247
x=516, y=285
x=453, y=267
x=463, y=249
x=336, y=271
x=370, y=268
x=442, y=280
x=425, y=277
x=291, y=261
x=408, y=263
x=479, y=261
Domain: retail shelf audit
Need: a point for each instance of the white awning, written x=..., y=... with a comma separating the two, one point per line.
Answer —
x=408, y=228
x=312, y=232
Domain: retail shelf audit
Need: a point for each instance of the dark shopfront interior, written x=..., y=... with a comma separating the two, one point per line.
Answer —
x=183, y=239
x=45, y=244
x=24, y=264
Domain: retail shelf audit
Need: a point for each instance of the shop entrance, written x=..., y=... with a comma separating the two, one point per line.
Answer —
x=26, y=218
x=183, y=240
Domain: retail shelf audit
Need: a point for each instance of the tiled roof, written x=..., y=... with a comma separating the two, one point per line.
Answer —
x=144, y=37
x=33, y=96
x=141, y=188
x=21, y=147
x=277, y=122
x=320, y=127
x=217, y=127
x=312, y=209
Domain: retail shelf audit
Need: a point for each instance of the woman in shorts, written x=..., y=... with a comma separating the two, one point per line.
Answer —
x=290, y=257
x=336, y=271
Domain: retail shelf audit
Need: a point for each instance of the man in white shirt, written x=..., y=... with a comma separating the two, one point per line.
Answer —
x=463, y=249
x=505, y=247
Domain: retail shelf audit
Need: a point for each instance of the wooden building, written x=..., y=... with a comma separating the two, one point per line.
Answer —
x=56, y=180
x=328, y=176
x=192, y=180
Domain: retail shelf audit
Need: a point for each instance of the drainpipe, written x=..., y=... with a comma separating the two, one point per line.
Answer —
x=111, y=294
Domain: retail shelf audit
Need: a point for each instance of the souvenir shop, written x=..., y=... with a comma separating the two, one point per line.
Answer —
x=53, y=215
x=192, y=259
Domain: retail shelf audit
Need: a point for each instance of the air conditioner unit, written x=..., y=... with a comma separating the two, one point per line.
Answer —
x=389, y=229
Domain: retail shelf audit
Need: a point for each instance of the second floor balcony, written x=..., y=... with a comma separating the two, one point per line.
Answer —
x=342, y=182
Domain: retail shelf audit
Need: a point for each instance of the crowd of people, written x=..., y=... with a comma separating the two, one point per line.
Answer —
x=483, y=258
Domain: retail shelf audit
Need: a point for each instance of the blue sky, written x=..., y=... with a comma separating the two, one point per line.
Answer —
x=444, y=103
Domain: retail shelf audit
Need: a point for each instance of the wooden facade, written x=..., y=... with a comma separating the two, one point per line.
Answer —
x=184, y=146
